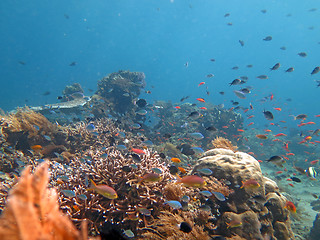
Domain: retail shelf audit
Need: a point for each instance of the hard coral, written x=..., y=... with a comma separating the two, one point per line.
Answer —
x=98, y=159
x=221, y=142
x=32, y=210
x=26, y=128
x=120, y=88
x=167, y=227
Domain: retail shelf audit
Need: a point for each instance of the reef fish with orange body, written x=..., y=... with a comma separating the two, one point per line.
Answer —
x=250, y=184
x=192, y=181
x=104, y=190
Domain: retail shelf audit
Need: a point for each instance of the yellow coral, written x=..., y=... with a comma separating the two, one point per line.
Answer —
x=221, y=142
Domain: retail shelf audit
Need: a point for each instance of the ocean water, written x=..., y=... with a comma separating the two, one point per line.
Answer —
x=172, y=42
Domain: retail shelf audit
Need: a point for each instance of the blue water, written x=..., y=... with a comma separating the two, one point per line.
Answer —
x=158, y=38
x=39, y=39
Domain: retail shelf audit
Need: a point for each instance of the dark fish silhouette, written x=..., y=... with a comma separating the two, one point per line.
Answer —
x=275, y=67
x=268, y=38
x=268, y=115
x=302, y=54
x=315, y=70
x=236, y=81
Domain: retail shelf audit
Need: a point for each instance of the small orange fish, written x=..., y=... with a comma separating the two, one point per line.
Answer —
x=251, y=116
x=279, y=172
x=267, y=130
x=231, y=121
x=192, y=181
x=175, y=160
x=138, y=151
x=250, y=184
x=280, y=134
x=36, y=147
x=290, y=184
x=307, y=138
x=201, y=100
x=177, y=107
x=76, y=208
x=314, y=162
x=278, y=109
x=261, y=136
x=182, y=170
x=250, y=124
x=240, y=130
x=233, y=224
x=201, y=84
x=203, y=108
x=310, y=123
x=290, y=154
x=271, y=97
x=225, y=127
x=291, y=207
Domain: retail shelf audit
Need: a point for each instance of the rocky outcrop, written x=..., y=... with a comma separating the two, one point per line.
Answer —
x=259, y=211
x=315, y=230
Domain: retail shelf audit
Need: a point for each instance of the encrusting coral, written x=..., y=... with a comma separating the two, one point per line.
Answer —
x=32, y=211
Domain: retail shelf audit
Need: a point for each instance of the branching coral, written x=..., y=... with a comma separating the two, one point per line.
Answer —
x=221, y=142
x=32, y=210
x=167, y=227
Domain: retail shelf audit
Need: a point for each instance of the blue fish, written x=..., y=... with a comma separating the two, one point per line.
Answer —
x=206, y=193
x=147, y=143
x=122, y=135
x=205, y=171
x=219, y=196
x=82, y=197
x=196, y=135
x=136, y=126
x=174, y=204
x=90, y=127
x=198, y=150
x=104, y=155
x=142, y=112
x=121, y=147
x=68, y=193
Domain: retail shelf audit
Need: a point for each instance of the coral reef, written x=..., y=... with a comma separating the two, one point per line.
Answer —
x=167, y=227
x=221, y=142
x=119, y=89
x=32, y=210
x=26, y=128
x=315, y=230
x=261, y=207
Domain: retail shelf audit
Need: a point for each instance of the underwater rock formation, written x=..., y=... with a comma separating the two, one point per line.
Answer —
x=119, y=89
x=315, y=230
x=254, y=211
